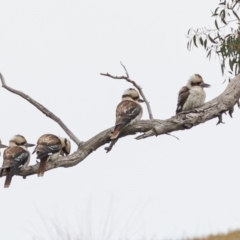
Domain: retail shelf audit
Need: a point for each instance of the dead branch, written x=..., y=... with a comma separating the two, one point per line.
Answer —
x=42, y=109
x=127, y=78
x=149, y=128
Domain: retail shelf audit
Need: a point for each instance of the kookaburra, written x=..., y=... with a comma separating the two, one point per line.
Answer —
x=128, y=111
x=192, y=95
x=15, y=157
x=49, y=147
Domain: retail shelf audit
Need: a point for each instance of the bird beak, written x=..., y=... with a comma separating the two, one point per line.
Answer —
x=29, y=145
x=3, y=146
x=205, y=85
x=140, y=100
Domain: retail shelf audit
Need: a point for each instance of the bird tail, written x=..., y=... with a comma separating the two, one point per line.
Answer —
x=179, y=109
x=116, y=131
x=42, y=166
x=8, y=178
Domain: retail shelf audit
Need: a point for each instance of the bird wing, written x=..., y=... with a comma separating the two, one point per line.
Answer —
x=14, y=158
x=126, y=112
x=182, y=97
x=47, y=145
x=45, y=150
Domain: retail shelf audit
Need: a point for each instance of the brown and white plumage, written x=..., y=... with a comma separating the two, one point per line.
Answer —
x=49, y=147
x=15, y=157
x=192, y=95
x=128, y=111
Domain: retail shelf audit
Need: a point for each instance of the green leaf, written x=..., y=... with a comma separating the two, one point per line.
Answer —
x=215, y=12
x=235, y=14
x=223, y=20
x=216, y=25
x=205, y=43
x=209, y=54
x=227, y=36
x=220, y=37
x=222, y=3
x=211, y=39
x=194, y=40
x=222, y=13
x=223, y=16
x=236, y=2
x=222, y=68
x=190, y=43
x=201, y=41
x=189, y=46
x=223, y=53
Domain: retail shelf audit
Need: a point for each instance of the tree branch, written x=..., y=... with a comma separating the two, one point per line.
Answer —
x=42, y=109
x=127, y=78
x=212, y=109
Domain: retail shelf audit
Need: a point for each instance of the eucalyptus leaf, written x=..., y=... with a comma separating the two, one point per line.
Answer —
x=194, y=40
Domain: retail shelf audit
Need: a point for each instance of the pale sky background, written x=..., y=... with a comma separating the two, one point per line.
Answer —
x=161, y=187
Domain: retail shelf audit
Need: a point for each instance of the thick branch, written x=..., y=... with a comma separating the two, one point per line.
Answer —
x=42, y=109
x=212, y=109
x=127, y=78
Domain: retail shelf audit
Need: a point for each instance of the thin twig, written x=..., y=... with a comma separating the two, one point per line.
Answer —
x=127, y=78
x=172, y=136
x=125, y=70
x=42, y=109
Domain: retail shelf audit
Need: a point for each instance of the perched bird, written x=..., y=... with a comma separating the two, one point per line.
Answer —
x=49, y=147
x=192, y=95
x=128, y=111
x=15, y=157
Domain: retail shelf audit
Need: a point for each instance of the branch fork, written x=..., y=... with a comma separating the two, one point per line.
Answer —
x=127, y=78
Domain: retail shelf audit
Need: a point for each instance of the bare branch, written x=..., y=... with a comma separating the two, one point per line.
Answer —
x=212, y=109
x=42, y=109
x=183, y=121
x=125, y=70
x=127, y=78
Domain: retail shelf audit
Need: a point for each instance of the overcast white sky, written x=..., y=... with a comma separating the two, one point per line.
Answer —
x=54, y=51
